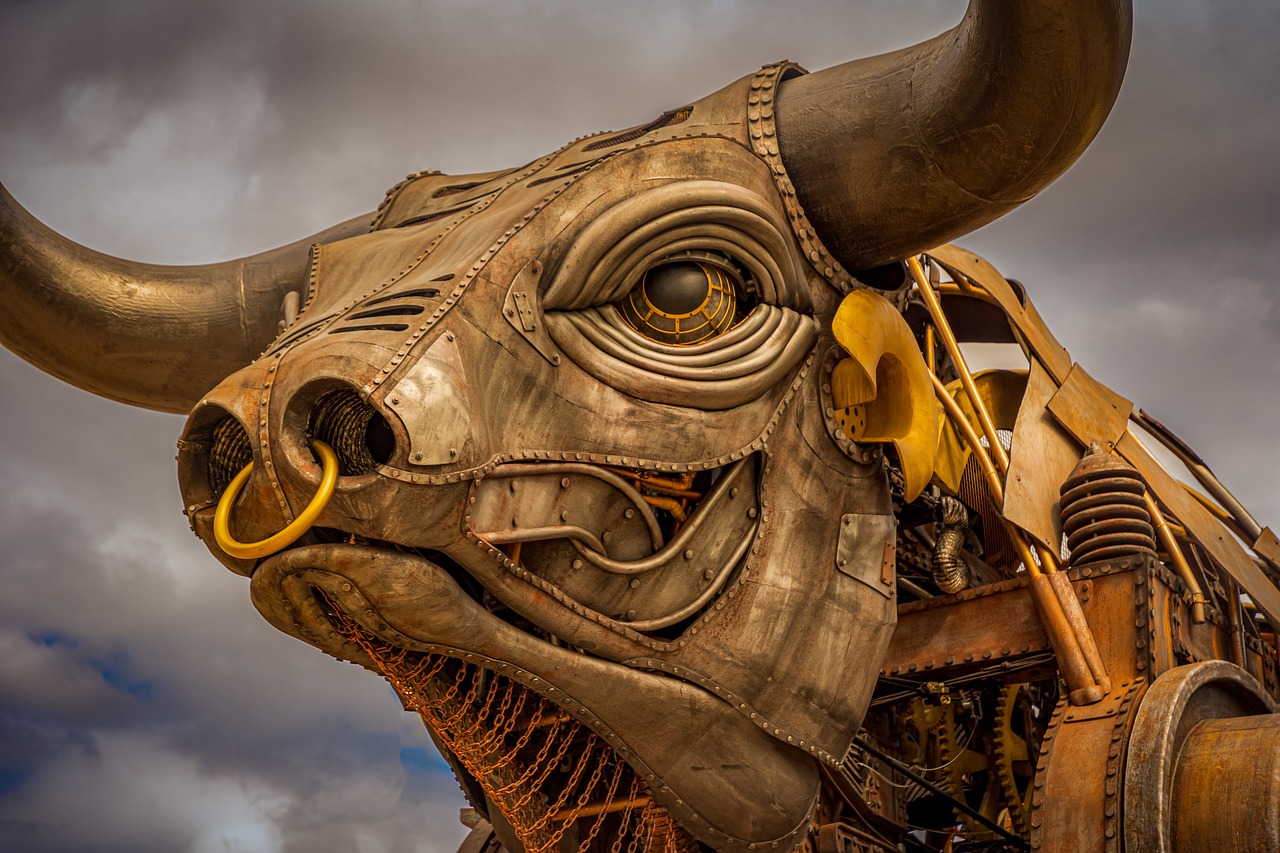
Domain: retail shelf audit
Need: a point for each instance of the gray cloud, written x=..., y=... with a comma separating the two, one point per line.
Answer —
x=143, y=703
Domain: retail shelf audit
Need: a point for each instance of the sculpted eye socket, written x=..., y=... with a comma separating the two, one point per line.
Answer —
x=689, y=294
x=686, y=301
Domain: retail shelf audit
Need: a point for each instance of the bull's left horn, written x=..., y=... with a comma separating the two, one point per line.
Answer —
x=895, y=154
x=144, y=334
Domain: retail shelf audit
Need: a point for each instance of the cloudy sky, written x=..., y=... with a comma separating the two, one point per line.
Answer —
x=144, y=706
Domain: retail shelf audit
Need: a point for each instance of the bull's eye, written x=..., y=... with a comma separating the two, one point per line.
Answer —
x=683, y=302
x=359, y=436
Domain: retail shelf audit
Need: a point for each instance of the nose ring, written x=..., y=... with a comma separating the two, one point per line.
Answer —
x=300, y=525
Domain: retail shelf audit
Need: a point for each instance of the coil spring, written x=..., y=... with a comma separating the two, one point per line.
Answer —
x=228, y=455
x=1104, y=513
x=354, y=429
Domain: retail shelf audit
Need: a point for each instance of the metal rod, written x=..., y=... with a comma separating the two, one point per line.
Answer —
x=957, y=358
x=989, y=473
x=951, y=288
x=1228, y=520
x=907, y=770
x=1178, y=559
x=1085, y=687
x=599, y=808
x=1201, y=472
x=542, y=534
x=1080, y=629
x=1233, y=619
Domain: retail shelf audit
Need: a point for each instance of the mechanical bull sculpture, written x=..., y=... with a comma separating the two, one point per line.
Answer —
x=652, y=474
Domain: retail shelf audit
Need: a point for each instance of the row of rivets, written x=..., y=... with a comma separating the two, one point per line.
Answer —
x=760, y=117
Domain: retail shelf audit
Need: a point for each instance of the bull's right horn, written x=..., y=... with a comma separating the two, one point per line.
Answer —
x=895, y=154
x=144, y=334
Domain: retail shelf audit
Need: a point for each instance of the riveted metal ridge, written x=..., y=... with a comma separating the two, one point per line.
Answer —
x=687, y=674
x=317, y=256
x=762, y=129
x=264, y=435
x=639, y=463
x=1042, y=766
x=1115, y=764
x=963, y=595
x=380, y=214
x=863, y=454
x=405, y=350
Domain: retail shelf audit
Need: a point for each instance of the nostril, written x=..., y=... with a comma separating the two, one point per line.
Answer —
x=361, y=438
x=229, y=453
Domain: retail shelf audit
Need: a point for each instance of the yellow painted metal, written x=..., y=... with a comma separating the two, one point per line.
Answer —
x=883, y=391
x=934, y=306
x=1001, y=391
x=286, y=537
x=1059, y=609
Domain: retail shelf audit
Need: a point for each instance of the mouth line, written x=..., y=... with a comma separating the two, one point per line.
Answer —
x=677, y=574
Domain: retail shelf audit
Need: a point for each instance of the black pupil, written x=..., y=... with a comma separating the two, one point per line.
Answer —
x=676, y=289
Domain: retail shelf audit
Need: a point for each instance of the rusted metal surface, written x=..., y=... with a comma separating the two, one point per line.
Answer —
x=1042, y=456
x=1207, y=529
x=1184, y=714
x=1089, y=410
x=644, y=500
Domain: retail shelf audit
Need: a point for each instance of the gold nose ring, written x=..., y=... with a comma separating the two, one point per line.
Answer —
x=300, y=525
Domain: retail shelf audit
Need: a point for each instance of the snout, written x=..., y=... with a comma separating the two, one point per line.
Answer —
x=274, y=457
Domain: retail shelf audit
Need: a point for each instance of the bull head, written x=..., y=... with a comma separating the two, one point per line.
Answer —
x=552, y=447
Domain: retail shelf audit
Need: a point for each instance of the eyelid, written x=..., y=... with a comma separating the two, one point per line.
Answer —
x=736, y=342
x=641, y=372
x=605, y=258
x=756, y=352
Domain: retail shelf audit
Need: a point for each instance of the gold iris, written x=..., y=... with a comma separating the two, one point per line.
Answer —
x=681, y=303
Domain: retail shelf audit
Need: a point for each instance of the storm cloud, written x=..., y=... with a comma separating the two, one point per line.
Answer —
x=144, y=705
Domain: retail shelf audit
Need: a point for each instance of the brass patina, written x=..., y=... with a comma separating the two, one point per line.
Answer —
x=652, y=474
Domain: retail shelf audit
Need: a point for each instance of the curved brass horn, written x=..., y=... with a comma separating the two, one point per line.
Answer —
x=145, y=334
x=896, y=153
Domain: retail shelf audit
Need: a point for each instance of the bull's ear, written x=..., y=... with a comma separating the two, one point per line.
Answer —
x=883, y=391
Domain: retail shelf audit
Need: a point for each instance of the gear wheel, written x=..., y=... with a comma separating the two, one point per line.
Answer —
x=1016, y=735
x=967, y=772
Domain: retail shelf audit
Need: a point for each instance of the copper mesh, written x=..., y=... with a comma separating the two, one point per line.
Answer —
x=557, y=783
x=998, y=551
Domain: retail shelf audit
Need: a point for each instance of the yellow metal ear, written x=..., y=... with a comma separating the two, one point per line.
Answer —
x=882, y=391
